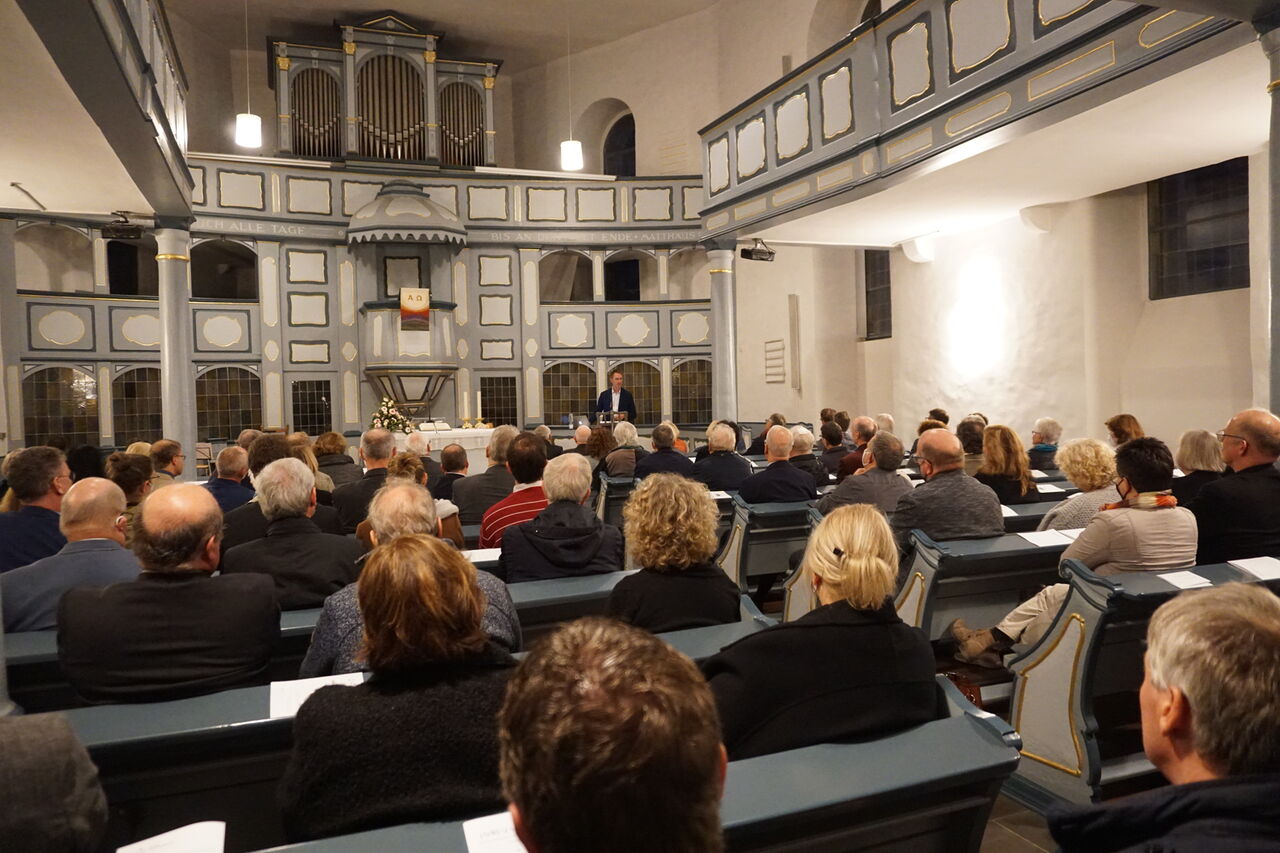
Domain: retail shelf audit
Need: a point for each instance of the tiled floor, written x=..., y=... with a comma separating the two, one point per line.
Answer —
x=1013, y=829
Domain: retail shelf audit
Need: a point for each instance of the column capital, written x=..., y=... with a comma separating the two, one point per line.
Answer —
x=175, y=223
x=721, y=243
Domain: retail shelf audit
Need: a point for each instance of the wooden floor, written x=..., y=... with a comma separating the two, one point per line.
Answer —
x=1013, y=829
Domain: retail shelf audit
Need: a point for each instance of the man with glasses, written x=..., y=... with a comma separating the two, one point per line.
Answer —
x=949, y=504
x=1239, y=515
x=39, y=477
x=168, y=460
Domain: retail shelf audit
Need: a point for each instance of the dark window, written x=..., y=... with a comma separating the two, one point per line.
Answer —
x=312, y=406
x=645, y=384
x=568, y=389
x=879, y=302
x=60, y=401
x=622, y=280
x=691, y=392
x=136, y=406
x=620, y=148
x=131, y=267
x=498, y=400
x=228, y=400
x=221, y=269
x=1199, y=230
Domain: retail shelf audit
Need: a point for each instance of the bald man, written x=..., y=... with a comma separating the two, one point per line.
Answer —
x=232, y=467
x=581, y=436
x=1239, y=516
x=176, y=631
x=949, y=504
x=781, y=481
x=94, y=523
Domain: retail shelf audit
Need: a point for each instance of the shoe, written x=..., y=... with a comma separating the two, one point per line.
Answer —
x=972, y=644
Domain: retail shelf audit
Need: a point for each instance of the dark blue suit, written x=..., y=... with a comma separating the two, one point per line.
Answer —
x=28, y=535
x=229, y=494
x=626, y=403
x=781, y=482
x=669, y=461
x=30, y=594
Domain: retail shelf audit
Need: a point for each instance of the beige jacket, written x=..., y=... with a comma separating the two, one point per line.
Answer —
x=1135, y=540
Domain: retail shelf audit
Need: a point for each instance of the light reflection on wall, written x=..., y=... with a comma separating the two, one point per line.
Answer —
x=976, y=333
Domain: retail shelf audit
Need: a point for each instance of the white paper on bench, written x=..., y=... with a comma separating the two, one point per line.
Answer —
x=1042, y=538
x=1184, y=580
x=1038, y=475
x=483, y=555
x=1006, y=512
x=287, y=696
x=715, y=496
x=1050, y=487
x=205, y=837
x=1072, y=533
x=1177, y=472
x=493, y=833
x=1262, y=568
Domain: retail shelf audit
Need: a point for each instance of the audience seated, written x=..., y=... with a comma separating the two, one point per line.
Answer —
x=231, y=467
x=621, y=461
x=863, y=429
x=664, y=459
x=85, y=461
x=679, y=444
x=781, y=481
x=53, y=802
x=803, y=458
x=93, y=521
x=475, y=494
x=850, y=668
x=331, y=456
x=246, y=439
x=300, y=449
x=418, y=444
x=600, y=444
x=878, y=483
x=377, y=446
x=398, y=509
x=1210, y=724
x=38, y=478
x=1123, y=428
x=407, y=467
x=453, y=467
x=609, y=741
x=132, y=473
x=926, y=425
x=176, y=631
x=721, y=469
x=756, y=448
x=845, y=422
x=581, y=437
x=543, y=432
x=167, y=462
x=566, y=538
x=941, y=416
x=670, y=526
x=833, y=448
x=1239, y=515
x=247, y=522
x=1090, y=466
x=1005, y=468
x=1044, y=443
x=884, y=421
x=419, y=740
x=970, y=431
x=948, y=504
x=1145, y=531
x=1199, y=457
x=526, y=460
x=305, y=563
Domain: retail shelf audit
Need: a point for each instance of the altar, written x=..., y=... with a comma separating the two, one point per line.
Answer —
x=474, y=441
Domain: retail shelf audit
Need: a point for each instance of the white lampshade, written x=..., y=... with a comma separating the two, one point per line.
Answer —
x=571, y=155
x=248, y=130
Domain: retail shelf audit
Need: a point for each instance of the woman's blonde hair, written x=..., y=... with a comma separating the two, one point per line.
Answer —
x=1004, y=456
x=1199, y=450
x=675, y=430
x=670, y=523
x=142, y=448
x=854, y=553
x=407, y=466
x=1088, y=463
x=304, y=453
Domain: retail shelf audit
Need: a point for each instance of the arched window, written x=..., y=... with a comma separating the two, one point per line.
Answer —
x=565, y=277
x=53, y=258
x=391, y=110
x=461, y=125
x=228, y=400
x=630, y=277
x=645, y=384
x=620, y=148
x=136, y=406
x=689, y=274
x=223, y=269
x=60, y=401
x=315, y=108
x=131, y=267
x=568, y=389
x=691, y=392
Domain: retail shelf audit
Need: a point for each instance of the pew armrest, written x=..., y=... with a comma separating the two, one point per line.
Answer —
x=958, y=705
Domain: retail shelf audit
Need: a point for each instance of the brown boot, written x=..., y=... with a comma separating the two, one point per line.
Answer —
x=972, y=644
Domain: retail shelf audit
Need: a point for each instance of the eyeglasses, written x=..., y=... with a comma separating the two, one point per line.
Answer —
x=1222, y=433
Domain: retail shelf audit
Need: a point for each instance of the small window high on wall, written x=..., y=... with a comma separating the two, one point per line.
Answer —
x=131, y=267
x=1198, y=225
x=223, y=269
x=878, y=304
x=620, y=148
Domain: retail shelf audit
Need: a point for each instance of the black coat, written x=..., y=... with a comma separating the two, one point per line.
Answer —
x=1007, y=489
x=781, y=481
x=340, y=467
x=306, y=564
x=420, y=745
x=564, y=540
x=352, y=500
x=247, y=523
x=833, y=674
x=553, y=449
x=167, y=635
x=1240, y=814
x=1239, y=516
x=442, y=489
x=626, y=403
x=475, y=494
x=673, y=600
x=812, y=466
x=1185, y=488
x=722, y=471
x=433, y=469
x=669, y=461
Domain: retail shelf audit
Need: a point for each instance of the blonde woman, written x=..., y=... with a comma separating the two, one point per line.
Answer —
x=1090, y=466
x=849, y=668
x=1199, y=458
x=1005, y=468
x=141, y=448
x=670, y=531
x=300, y=448
x=680, y=443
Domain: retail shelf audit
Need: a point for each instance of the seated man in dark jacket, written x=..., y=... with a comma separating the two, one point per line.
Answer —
x=781, y=481
x=306, y=564
x=802, y=456
x=1210, y=724
x=665, y=458
x=377, y=446
x=176, y=631
x=246, y=523
x=566, y=538
x=1239, y=516
x=721, y=469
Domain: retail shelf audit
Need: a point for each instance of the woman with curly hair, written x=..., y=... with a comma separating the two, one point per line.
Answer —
x=1090, y=466
x=1006, y=468
x=670, y=530
x=601, y=443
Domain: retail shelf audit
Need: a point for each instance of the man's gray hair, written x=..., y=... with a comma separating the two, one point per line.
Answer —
x=721, y=437
x=500, y=442
x=567, y=477
x=582, y=434
x=284, y=489
x=884, y=421
x=232, y=460
x=1049, y=429
x=377, y=444
x=247, y=437
x=543, y=432
x=886, y=449
x=801, y=440
x=625, y=434
x=417, y=443
x=402, y=509
x=863, y=427
x=778, y=441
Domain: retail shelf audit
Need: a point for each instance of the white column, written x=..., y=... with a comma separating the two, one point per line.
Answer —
x=724, y=335
x=597, y=275
x=664, y=273
x=177, y=378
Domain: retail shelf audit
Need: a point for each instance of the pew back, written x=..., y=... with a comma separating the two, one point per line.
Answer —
x=762, y=539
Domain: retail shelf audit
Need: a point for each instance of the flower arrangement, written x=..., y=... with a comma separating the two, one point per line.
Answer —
x=388, y=417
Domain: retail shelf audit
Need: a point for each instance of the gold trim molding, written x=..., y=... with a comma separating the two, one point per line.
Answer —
x=1008, y=34
x=1007, y=106
x=1111, y=45
x=1174, y=34
x=349, y=48
x=283, y=63
x=928, y=64
x=168, y=257
x=1071, y=695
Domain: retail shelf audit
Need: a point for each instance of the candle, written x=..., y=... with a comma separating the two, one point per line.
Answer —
x=477, y=405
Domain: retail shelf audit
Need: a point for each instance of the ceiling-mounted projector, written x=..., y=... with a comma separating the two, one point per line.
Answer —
x=758, y=252
x=121, y=228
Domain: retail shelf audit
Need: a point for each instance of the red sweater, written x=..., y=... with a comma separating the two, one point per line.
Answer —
x=515, y=508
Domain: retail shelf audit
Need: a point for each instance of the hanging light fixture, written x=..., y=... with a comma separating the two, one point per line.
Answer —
x=570, y=149
x=248, y=125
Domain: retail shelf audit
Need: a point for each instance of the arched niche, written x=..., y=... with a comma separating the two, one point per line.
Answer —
x=833, y=19
x=60, y=401
x=630, y=275
x=132, y=268
x=619, y=158
x=689, y=274
x=593, y=125
x=53, y=258
x=644, y=381
x=223, y=269
x=565, y=276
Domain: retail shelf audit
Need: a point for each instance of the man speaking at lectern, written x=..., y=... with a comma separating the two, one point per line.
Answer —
x=615, y=399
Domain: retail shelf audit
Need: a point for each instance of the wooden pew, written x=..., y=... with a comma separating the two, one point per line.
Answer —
x=1026, y=517
x=542, y=605
x=762, y=539
x=1075, y=691
x=612, y=497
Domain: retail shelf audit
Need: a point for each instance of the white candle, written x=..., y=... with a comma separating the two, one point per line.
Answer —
x=477, y=405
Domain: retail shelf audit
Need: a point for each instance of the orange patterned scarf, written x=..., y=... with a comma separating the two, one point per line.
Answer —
x=1146, y=500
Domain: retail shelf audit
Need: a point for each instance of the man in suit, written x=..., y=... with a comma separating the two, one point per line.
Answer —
x=52, y=798
x=306, y=564
x=543, y=432
x=833, y=449
x=877, y=483
x=756, y=448
x=949, y=504
x=526, y=460
x=38, y=477
x=453, y=467
x=664, y=459
x=475, y=494
x=616, y=399
x=377, y=446
x=167, y=463
x=94, y=523
x=721, y=469
x=176, y=631
x=247, y=522
x=231, y=468
x=863, y=429
x=781, y=481
x=802, y=456
x=418, y=443
x=1239, y=516
x=581, y=436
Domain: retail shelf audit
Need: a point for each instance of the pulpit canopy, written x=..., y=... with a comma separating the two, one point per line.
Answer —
x=403, y=213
